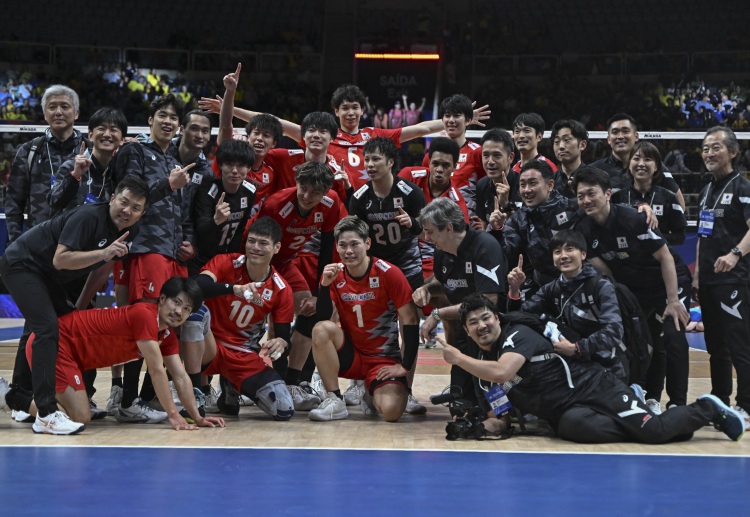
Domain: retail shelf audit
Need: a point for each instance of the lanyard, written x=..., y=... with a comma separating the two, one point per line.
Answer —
x=710, y=188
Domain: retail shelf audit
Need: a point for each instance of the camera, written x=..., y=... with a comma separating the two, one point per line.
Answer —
x=469, y=417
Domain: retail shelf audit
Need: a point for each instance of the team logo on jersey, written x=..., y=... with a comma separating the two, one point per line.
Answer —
x=562, y=218
x=469, y=268
x=509, y=341
x=102, y=242
x=318, y=217
x=243, y=202
x=624, y=398
x=403, y=187
x=358, y=194
x=374, y=282
x=419, y=174
x=462, y=157
x=278, y=281
x=595, y=243
x=213, y=191
x=327, y=201
x=267, y=294
x=398, y=202
x=249, y=186
x=369, y=204
x=733, y=295
x=238, y=262
x=382, y=265
x=658, y=209
x=286, y=210
x=726, y=199
x=622, y=242
x=445, y=270
x=340, y=285
x=197, y=178
x=531, y=228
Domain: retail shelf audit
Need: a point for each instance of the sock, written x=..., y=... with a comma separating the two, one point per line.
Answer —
x=206, y=389
x=117, y=381
x=195, y=378
x=308, y=369
x=292, y=376
x=147, y=389
x=338, y=394
x=131, y=377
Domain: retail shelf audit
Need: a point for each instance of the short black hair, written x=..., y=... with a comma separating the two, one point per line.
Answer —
x=108, y=115
x=320, y=120
x=591, y=176
x=457, y=103
x=445, y=145
x=348, y=93
x=266, y=227
x=186, y=118
x=167, y=100
x=474, y=302
x=532, y=120
x=235, y=151
x=384, y=146
x=622, y=116
x=352, y=223
x=265, y=122
x=135, y=185
x=315, y=174
x=500, y=136
x=570, y=237
x=179, y=284
x=577, y=129
x=538, y=165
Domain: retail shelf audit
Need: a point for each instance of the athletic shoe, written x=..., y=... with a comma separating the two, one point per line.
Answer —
x=654, y=405
x=228, y=401
x=367, y=406
x=727, y=420
x=200, y=402
x=114, y=400
x=744, y=415
x=353, y=395
x=56, y=423
x=4, y=389
x=212, y=401
x=430, y=343
x=140, y=413
x=414, y=407
x=638, y=390
x=318, y=386
x=246, y=401
x=22, y=417
x=96, y=413
x=303, y=401
x=332, y=408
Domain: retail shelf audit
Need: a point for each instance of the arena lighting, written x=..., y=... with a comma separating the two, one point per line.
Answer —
x=393, y=57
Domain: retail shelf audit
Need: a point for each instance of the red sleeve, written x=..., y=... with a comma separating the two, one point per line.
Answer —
x=169, y=345
x=393, y=134
x=217, y=266
x=143, y=322
x=283, y=310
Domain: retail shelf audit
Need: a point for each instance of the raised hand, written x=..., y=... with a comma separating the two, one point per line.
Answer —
x=232, y=80
x=502, y=190
x=211, y=105
x=330, y=272
x=480, y=114
x=82, y=163
x=222, y=212
x=516, y=278
x=497, y=217
x=119, y=248
x=403, y=218
x=178, y=178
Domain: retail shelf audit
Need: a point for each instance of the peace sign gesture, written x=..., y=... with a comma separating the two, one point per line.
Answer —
x=82, y=163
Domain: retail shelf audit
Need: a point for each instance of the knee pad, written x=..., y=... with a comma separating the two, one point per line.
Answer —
x=304, y=325
x=275, y=400
x=197, y=325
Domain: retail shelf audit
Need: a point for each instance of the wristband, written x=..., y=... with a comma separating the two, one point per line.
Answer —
x=511, y=296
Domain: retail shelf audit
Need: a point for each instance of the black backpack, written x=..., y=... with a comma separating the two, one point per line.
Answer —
x=636, y=336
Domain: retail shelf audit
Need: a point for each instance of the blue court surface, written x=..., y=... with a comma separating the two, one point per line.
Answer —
x=221, y=481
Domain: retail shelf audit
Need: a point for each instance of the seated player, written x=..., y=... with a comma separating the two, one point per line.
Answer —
x=242, y=291
x=142, y=329
x=373, y=299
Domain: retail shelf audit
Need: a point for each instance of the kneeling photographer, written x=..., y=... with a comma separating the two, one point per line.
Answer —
x=583, y=402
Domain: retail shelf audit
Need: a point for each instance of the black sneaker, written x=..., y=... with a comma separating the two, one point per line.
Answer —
x=229, y=400
x=727, y=420
x=200, y=402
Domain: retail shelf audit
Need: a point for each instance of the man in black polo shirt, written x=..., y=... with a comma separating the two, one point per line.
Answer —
x=722, y=267
x=569, y=140
x=622, y=245
x=38, y=264
x=467, y=261
x=583, y=402
x=622, y=134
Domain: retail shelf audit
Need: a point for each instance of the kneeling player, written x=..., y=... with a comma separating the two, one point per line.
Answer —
x=372, y=298
x=243, y=290
x=142, y=329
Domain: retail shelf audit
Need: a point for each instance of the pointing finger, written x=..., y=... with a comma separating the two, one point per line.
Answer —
x=237, y=72
x=497, y=204
x=123, y=237
x=520, y=262
x=83, y=147
x=221, y=199
x=185, y=169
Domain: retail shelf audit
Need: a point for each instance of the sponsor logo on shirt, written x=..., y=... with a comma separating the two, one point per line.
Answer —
x=236, y=216
x=419, y=174
x=403, y=187
x=356, y=297
x=278, y=281
x=213, y=191
x=361, y=191
x=287, y=209
x=382, y=265
x=457, y=283
x=462, y=157
x=265, y=177
x=249, y=186
x=102, y=242
x=327, y=201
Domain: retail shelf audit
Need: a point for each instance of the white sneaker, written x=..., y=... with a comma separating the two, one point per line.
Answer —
x=367, y=406
x=114, y=400
x=353, y=395
x=140, y=413
x=654, y=405
x=414, y=407
x=96, y=413
x=22, y=417
x=332, y=408
x=744, y=415
x=303, y=401
x=318, y=386
x=212, y=402
x=246, y=401
x=4, y=389
x=56, y=423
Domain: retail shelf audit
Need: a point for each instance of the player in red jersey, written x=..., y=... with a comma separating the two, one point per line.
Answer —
x=456, y=112
x=348, y=103
x=139, y=330
x=373, y=299
x=302, y=212
x=528, y=131
x=242, y=289
x=263, y=132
